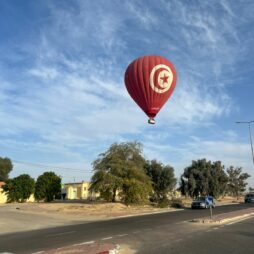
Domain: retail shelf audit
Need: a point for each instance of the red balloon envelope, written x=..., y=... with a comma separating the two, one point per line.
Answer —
x=150, y=80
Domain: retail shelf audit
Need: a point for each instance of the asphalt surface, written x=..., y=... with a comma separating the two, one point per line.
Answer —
x=154, y=233
x=236, y=238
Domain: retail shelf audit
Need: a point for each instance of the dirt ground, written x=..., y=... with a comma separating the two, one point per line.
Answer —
x=89, y=210
x=228, y=199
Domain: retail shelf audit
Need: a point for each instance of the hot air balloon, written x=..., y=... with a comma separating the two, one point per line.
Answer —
x=150, y=81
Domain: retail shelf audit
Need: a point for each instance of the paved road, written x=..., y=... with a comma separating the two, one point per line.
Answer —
x=140, y=232
x=230, y=238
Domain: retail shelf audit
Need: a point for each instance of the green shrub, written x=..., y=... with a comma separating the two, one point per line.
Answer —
x=176, y=203
x=47, y=186
x=19, y=189
x=163, y=203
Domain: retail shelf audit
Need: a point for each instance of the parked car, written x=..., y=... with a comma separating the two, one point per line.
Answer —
x=249, y=198
x=203, y=202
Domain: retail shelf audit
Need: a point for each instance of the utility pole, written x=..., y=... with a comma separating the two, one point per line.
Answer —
x=249, y=124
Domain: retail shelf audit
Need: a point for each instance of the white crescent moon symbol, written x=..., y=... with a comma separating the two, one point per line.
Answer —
x=163, y=85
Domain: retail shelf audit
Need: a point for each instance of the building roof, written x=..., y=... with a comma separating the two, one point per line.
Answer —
x=76, y=183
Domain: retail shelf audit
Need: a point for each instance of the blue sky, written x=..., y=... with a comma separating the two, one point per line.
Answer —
x=62, y=95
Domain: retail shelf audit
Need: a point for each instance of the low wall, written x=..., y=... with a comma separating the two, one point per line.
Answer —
x=3, y=197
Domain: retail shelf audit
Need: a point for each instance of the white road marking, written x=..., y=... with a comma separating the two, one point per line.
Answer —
x=6, y=253
x=147, y=229
x=233, y=222
x=210, y=230
x=136, y=232
x=63, y=233
x=106, y=238
x=165, y=244
x=38, y=252
x=122, y=235
x=178, y=223
x=84, y=243
x=141, y=214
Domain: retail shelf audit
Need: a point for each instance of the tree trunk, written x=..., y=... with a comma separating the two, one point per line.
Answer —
x=114, y=195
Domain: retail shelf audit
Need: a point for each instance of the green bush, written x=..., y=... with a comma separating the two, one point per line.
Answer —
x=176, y=203
x=163, y=203
x=19, y=189
x=47, y=186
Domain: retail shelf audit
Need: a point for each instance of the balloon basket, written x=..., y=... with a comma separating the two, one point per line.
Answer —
x=151, y=121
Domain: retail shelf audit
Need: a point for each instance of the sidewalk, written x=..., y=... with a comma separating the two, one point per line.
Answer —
x=226, y=217
x=86, y=248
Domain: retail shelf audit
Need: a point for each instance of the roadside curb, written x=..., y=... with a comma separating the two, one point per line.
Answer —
x=85, y=248
x=111, y=251
x=148, y=213
x=224, y=218
x=225, y=204
x=237, y=218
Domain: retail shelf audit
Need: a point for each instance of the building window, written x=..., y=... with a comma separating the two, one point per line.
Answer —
x=84, y=188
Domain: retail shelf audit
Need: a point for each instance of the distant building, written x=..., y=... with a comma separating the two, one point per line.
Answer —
x=3, y=196
x=78, y=191
x=68, y=191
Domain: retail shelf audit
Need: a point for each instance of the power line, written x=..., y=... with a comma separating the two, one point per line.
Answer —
x=50, y=166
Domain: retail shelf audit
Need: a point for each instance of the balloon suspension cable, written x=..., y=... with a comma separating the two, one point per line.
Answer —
x=151, y=121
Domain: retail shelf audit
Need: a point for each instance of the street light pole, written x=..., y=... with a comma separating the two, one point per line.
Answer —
x=249, y=123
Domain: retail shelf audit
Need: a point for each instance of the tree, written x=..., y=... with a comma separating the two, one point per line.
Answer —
x=163, y=180
x=47, y=186
x=204, y=177
x=121, y=170
x=136, y=187
x=19, y=189
x=236, y=181
x=5, y=168
x=218, y=180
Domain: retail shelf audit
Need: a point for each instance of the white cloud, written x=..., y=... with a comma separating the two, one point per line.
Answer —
x=227, y=7
x=45, y=73
x=194, y=104
x=143, y=14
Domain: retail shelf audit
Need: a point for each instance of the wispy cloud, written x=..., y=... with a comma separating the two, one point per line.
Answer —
x=44, y=73
x=144, y=16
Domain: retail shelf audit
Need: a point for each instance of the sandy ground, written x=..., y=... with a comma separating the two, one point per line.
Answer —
x=85, y=210
x=220, y=201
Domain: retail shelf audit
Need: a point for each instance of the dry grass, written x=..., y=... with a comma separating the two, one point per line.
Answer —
x=88, y=209
x=229, y=199
x=100, y=209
